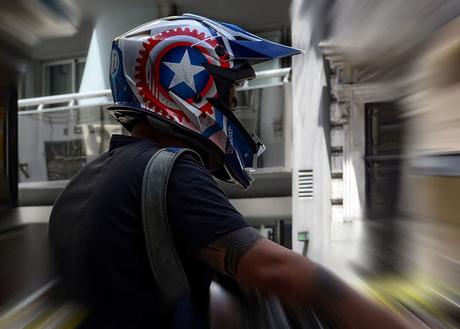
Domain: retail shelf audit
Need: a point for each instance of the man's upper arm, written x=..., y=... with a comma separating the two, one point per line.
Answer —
x=207, y=226
x=259, y=263
x=224, y=255
x=246, y=256
x=199, y=212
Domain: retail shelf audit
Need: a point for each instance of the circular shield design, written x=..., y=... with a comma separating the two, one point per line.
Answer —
x=172, y=62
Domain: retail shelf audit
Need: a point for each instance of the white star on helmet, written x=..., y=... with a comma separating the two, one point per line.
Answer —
x=184, y=71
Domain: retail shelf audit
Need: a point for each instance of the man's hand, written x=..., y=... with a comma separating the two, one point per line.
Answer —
x=297, y=282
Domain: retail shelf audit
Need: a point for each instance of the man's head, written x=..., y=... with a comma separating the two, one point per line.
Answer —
x=178, y=74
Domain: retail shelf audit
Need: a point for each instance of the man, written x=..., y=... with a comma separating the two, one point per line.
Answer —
x=173, y=82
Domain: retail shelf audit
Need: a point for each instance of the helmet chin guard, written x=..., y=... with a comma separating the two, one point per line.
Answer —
x=178, y=71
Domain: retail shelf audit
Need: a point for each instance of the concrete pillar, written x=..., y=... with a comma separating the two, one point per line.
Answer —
x=109, y=25
x=310, y=124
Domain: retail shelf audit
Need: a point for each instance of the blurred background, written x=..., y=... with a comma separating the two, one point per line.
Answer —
x=362, y=172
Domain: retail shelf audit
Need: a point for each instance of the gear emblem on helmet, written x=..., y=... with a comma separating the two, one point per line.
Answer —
x=165, y=65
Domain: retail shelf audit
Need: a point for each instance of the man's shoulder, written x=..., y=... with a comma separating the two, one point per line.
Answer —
x=198, y=209
x=189, y=167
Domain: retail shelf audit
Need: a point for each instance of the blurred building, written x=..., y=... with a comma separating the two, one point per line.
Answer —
x=376, y=131
x=362, y=168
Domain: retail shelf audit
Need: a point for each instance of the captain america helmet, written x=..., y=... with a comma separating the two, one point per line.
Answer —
x=178, y=72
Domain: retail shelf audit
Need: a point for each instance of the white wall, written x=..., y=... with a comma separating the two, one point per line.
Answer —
x=310, y=127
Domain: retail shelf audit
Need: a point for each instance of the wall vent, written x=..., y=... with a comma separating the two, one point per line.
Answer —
x=305, y=184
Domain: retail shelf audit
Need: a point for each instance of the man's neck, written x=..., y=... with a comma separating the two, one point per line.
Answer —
x=144, y=130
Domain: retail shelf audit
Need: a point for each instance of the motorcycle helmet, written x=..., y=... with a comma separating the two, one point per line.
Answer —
x=178, y=72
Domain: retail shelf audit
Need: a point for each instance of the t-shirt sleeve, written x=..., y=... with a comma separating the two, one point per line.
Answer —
x=199, y=212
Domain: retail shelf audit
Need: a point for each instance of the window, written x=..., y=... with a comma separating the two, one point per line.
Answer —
x=62, y=77
x=385, y=128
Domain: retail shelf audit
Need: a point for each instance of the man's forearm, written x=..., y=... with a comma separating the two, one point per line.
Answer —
x=301, y=284
x=296, y=281
x=341, y=307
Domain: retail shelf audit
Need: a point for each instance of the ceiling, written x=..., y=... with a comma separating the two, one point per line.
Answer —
x=52, y=29
x=244, y=13
x=252, y=14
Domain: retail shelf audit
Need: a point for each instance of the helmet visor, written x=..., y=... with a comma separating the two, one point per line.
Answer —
x=253, y=50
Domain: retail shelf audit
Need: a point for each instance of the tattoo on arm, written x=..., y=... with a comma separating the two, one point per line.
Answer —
x=226, y=253
x=239, y=242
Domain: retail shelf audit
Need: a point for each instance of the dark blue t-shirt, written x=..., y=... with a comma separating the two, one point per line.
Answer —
x=96, y=233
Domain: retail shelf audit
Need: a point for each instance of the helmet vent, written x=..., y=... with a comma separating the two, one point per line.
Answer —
x=145, y=33
x=305, y=183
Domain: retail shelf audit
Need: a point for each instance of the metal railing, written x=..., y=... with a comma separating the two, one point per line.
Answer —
x=70, y=99
x=104, y=97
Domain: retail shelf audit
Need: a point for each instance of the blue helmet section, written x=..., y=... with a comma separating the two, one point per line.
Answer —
x=241, y=151
x=260, y=50
x=248, y=46
x=118, y=83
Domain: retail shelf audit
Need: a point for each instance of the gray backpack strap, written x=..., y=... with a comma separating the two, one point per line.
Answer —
x=164, y=261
